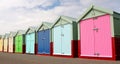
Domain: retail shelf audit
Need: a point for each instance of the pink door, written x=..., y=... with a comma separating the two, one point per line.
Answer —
x=103, y=44
x=96, y=37
x=87, y=37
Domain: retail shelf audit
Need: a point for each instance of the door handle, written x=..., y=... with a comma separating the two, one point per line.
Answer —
x=43, y=38
x=95, y=29
x=62, y=34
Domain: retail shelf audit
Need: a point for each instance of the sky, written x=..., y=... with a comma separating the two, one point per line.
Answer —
x=20, y=14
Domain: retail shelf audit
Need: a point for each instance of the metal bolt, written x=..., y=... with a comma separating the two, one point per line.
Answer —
x=62, y=34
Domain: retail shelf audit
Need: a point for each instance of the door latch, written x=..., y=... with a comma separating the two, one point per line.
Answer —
x=62, y=34
x=43, y=38
x=95, y=29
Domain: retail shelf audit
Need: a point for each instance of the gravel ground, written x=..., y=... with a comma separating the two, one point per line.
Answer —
x=10, y=58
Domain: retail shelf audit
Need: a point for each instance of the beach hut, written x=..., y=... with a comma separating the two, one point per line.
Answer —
x=64, y=37
x=1, y=42
x=5, y=45
x=30, y=40
x=44, y=38
x=11, y=42
x=99, y=34
x=20, y=41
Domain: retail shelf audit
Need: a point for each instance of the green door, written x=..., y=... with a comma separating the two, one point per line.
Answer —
x=20, y=44
x=16, y=44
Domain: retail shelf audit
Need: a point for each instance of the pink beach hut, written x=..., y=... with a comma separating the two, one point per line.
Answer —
x=99, y=34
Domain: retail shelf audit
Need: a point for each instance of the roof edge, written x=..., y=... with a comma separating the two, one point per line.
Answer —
x=95, y=8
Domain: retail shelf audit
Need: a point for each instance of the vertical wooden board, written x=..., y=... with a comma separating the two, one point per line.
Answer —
x=57, y=46
x=75, y=30
x=115, y=23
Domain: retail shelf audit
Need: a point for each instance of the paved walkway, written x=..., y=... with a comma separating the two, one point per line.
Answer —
x=10, y=58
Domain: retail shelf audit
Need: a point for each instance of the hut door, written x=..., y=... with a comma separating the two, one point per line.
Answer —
x=102, y=36
x=1, y=44
x=66, y=39
x=96, y=37
x=43, y=42
x=32, y=38
x=16, y=44
x=27, y=43
x=11, y=44
x=5, y=44
x=47, y=41
x=20, y=44
x=87, y=37
x=57, y=40
x=40, y=42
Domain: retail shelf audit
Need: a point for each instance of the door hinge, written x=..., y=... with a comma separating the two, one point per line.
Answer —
x=97, y=54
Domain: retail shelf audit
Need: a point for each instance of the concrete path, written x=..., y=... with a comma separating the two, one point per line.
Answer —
x=10, y=58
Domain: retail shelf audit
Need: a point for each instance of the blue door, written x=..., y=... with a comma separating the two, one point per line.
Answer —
x=32, y=42
x=62, y=36
x=47, y=41
x=66, y=39
x=27, y=43
x=57, y=45
x=44, y=42
x=40, y=42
